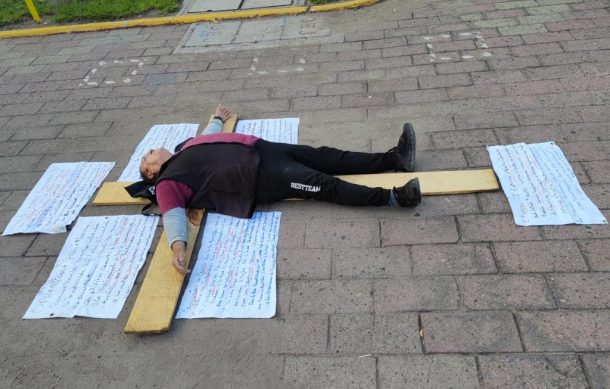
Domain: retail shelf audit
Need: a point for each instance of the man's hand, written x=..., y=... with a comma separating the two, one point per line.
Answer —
x=179, y=261
x=222, y=112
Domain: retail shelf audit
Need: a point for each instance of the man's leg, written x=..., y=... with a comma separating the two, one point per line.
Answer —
x=298, y=181
x=327, y=160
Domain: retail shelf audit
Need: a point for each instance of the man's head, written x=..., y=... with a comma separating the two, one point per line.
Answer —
x=151, y=163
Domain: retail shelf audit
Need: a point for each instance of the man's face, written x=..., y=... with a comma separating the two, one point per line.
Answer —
x=152, y=161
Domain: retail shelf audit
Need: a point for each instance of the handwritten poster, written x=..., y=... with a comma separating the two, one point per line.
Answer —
x=284, y=130
x=161, y=135
x=96, y=268
x=541, y=186
x=236, y=269
x=57, y=198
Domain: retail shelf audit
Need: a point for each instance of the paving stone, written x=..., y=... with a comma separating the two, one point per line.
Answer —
x=344, y=88
x=514, y=63
x=367, y=100
x=452, y=259
x=570, y=25
x=342, y=66
x=19, y=271
x=461, y=139
x=214, y=5
x=16, y=245
x=334, y=296
x=560, y=36
x=418, y=231
x=441, y=81
x=547, y=116
x=516, y=4
x=596, y=252
x=296, y=334
x=565, y=330
x=484, y=292
x=326, y=372
x=351, y=333
x=470, y=332
x=501, y=227
x=535, y=257
x=414, y=71
x=523, y=29
x=292, y=234
x=485, y=120
x=495, y=23
x=582, y=290
x=460, y=67
x=466, y=92
x=421, y=96
x=346, y=234
x=441, y=160
x=503, y=76
x=247, y=4
x=396, y=333
x=340, y=115
x=371, y=262
x=415, y=294
x=304, y=263
x=598, y=366
x=428, y=371
x=532, y=370
x=548, y=9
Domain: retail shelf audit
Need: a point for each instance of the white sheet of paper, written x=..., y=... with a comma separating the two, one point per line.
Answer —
x=161, y=135
x=96, y=268
x=236, y=269
x=57, y=198
x=541, y=186
x=285, y=130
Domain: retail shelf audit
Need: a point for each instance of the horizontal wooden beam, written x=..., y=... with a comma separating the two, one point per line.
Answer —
x=443, y=182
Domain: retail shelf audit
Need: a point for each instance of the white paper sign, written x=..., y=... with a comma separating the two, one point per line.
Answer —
x=96, y=268
x=541, y=186
x=59, y=195
x=162, y=135
x=284, y=130
x=236, y=269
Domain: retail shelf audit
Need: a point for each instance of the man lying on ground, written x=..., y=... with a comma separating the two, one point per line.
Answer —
x=230, y=173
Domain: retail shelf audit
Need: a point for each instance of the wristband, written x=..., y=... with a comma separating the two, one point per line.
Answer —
x=219, y=118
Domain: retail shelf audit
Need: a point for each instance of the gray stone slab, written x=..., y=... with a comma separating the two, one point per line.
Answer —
x=428, y=371
x=248, y=4
x=253, y=31
x=214, y=5
x=206, y=34
x=306, y=27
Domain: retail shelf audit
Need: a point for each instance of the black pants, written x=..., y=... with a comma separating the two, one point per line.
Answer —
x=297, y=171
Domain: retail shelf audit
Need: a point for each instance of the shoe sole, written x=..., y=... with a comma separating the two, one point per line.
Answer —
x=415, y=186
x=408, y=134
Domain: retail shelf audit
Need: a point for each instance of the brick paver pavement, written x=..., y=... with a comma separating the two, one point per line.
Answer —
x=450, y=294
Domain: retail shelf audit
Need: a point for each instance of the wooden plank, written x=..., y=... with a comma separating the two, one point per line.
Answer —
x=433, y=182
x=156, y=303
x=114, y=193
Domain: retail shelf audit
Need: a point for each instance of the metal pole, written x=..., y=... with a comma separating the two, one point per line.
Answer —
x=33, y=10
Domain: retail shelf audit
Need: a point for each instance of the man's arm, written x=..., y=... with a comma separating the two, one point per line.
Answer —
x=172, y=197
x=215, y=125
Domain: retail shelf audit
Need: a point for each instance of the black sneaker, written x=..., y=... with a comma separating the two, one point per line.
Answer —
x=409, y=194
x=405, y=151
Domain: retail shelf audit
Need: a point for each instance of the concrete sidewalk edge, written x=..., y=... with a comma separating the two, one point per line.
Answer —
x=185, y=19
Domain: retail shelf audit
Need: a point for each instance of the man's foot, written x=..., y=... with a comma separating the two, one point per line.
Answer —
x=409, y=194
x=405, y=151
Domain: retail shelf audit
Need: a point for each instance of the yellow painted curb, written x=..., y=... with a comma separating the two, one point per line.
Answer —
x=184, y=19
x=343, y=5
